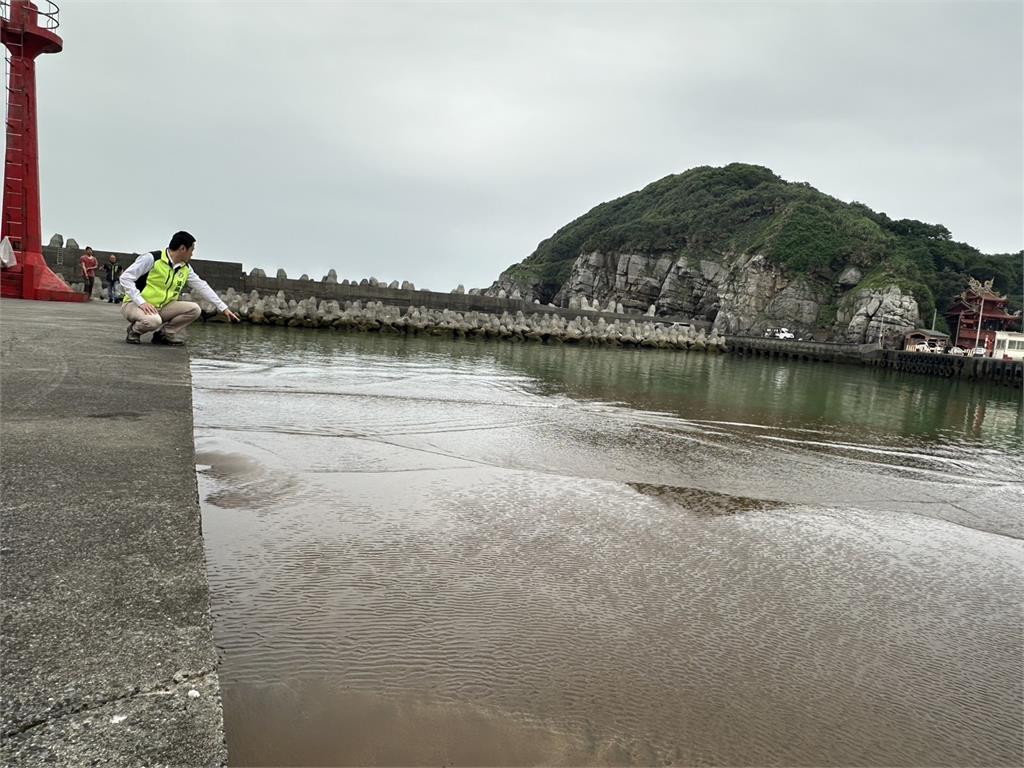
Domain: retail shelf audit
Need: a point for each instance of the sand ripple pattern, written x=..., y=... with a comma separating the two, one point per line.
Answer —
x=612, y=581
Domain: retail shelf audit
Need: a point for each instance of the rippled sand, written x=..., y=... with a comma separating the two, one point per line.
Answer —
x=428, y=554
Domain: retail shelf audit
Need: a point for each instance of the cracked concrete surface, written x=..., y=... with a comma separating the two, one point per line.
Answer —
x=106, y=625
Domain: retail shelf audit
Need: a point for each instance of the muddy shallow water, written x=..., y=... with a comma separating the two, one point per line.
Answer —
x=435, y=553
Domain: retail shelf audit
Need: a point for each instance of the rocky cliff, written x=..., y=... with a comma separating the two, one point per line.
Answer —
x=740, y=293
x=742, y=248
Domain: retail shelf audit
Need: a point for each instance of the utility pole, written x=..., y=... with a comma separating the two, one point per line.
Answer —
x=977, y=331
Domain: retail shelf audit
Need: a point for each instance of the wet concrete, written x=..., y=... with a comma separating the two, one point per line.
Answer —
x=434, y=553
x=106, y=642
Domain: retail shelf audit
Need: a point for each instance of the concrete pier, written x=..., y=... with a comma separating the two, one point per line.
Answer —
x=1007, y=372
x=107, y=648
x=1004, y=372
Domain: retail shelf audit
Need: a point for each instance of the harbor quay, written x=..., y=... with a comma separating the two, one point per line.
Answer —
x=107, y=647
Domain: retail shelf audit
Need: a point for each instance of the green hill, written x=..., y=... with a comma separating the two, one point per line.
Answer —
x=720, y=213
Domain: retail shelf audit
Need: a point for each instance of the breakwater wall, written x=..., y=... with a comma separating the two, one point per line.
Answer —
x=225, y=275
x=1006, y=372
x=545, y=327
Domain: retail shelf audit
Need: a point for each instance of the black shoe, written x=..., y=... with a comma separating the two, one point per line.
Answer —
x=133, y=337
x=161, y=338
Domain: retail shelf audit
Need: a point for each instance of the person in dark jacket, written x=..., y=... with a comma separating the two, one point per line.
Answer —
x=111, y=275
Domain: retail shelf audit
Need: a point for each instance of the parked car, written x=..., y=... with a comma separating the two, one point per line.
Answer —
x=958, y=351
x=978, y=352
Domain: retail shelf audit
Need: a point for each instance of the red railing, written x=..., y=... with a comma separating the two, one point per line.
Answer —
x=47, y=13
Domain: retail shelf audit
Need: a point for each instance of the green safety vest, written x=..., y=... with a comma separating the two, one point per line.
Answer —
x=163, y=283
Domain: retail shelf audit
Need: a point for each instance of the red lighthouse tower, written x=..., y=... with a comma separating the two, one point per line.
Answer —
x=27, y=31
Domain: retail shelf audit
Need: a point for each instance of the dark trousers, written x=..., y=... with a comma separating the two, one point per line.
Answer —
x=87, y=288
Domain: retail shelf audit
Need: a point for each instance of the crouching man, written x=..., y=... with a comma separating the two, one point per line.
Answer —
x=152, y=286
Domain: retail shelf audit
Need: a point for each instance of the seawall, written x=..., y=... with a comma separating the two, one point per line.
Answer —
x=1005, y=372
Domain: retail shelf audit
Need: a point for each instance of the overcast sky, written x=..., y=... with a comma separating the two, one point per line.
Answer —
x=439, y=143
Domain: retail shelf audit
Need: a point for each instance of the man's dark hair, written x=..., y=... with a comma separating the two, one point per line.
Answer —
x=181, y=239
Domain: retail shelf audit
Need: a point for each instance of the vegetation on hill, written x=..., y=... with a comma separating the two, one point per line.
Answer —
x=721, y=212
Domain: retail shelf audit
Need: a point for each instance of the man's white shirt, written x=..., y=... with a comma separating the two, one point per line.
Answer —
x=145, y=262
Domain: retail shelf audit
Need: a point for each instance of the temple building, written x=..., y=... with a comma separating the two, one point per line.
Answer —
x=979, y=302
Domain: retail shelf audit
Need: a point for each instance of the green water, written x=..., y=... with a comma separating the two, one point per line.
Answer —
x=861, y=401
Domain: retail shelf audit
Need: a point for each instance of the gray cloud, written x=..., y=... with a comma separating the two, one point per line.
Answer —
x=441, y=142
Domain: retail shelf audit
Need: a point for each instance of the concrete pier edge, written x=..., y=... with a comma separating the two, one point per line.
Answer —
x=106, y=638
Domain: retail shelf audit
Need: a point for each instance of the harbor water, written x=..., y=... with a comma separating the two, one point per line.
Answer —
x=426, y=552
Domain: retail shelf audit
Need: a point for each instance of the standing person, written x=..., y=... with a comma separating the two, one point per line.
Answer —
x=88, y=264
x=111, y=274
x=152, y=285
